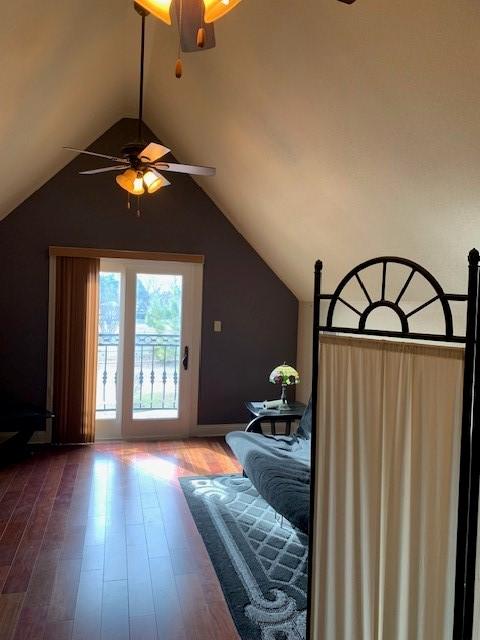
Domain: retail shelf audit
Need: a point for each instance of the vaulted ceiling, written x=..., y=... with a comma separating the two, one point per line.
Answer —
x=66, y=76
x=340, y=132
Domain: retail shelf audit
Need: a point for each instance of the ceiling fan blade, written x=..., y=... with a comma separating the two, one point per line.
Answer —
x=98, y=155
x=186, y=168
x=164, y=181
x=120, y=167
x=153, y=151
x=190, y=20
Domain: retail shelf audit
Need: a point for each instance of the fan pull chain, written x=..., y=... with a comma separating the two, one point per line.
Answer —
x=201, y=37
x=178, y=68
x=178, y=64
x=129, y=205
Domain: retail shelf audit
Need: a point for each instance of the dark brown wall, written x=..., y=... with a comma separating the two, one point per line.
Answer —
x=258, y=312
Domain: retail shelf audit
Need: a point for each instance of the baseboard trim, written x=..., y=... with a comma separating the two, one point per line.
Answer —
x=41, y=437
x=139, y=438
x=199, y=431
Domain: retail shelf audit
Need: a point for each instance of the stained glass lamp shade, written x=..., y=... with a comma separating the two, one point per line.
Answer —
x=285, y=375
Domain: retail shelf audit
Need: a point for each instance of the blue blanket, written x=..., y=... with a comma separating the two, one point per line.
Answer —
x=279, y=468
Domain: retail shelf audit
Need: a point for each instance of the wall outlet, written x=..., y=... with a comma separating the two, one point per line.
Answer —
x=217, y=326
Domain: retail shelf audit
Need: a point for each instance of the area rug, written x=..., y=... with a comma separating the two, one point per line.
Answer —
x=260, y=560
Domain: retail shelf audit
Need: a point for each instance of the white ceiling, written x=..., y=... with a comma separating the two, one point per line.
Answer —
x=66, y=74
x=340, y=132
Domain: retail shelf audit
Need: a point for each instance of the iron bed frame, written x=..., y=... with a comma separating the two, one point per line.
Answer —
x=469, y=475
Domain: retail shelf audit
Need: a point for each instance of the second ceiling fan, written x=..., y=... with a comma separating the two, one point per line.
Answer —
x=141, y=163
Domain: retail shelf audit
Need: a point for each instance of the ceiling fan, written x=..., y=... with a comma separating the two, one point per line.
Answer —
x=140, y=162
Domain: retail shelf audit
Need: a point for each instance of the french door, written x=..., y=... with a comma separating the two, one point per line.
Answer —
x=148, y=348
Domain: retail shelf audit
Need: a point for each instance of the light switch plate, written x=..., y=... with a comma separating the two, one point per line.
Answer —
x=217, y=326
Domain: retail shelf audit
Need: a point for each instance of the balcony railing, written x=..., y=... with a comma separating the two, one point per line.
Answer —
x=156, y=371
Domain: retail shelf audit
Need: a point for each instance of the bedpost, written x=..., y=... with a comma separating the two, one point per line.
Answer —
x=468, y=476
x=474, y=473
x=313, y=444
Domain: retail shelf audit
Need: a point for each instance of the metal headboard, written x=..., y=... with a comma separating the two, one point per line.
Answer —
x=355, y=275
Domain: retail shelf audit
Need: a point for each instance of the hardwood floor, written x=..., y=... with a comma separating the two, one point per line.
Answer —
x=98, y=542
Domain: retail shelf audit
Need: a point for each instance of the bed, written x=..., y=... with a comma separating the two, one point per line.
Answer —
x=279, y=468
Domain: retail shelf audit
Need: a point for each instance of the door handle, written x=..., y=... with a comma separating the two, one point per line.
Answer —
x=185, y=358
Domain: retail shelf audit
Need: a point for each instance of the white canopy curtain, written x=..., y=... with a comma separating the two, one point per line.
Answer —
x=388, y=449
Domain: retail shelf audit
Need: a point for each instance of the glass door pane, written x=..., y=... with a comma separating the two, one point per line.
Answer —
x=108, y=345
x=158, y=322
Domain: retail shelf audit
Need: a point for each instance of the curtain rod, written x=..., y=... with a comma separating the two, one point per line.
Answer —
x=85, y=252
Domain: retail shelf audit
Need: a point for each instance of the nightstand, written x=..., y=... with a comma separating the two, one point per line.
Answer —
x=272, y=416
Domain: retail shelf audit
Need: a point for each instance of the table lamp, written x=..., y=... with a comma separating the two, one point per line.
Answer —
x=285, y=375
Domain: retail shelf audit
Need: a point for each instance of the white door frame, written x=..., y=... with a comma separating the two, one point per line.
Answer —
x=111, y=429
x=124, y=426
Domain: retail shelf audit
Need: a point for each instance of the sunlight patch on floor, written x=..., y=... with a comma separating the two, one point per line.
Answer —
x=155, y=467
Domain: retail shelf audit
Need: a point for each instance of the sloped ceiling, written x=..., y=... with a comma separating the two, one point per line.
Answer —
x=340, y=132
x=66, y=73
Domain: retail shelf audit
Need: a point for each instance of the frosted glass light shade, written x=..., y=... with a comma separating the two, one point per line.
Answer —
x=215, y=9
x=131, y=182
x=154, y=180
x=158, y=8
x=138, y=185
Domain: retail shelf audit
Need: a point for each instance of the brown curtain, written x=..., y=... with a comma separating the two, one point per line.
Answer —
x=75, y=359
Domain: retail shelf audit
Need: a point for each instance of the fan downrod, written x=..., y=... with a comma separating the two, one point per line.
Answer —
x=131, y=151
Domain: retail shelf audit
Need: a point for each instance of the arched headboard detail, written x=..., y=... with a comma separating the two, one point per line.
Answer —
x=396, y=304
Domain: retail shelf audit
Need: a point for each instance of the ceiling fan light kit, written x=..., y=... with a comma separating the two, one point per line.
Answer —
x=213, y=9
x=138, y=189
x=158, y=8
x=216, y=9
x=131, y=181
x=194, y=19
